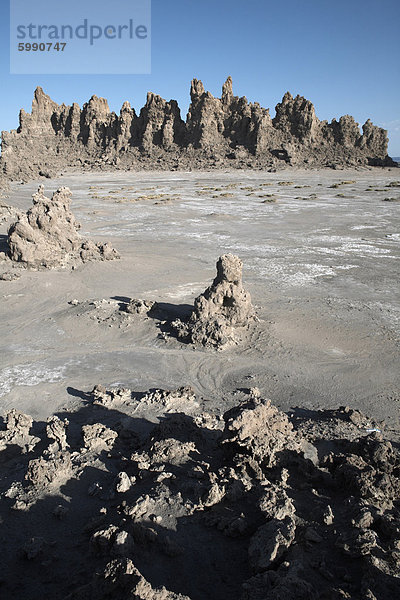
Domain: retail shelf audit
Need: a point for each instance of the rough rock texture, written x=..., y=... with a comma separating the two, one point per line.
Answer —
x=193, y=505
x=140, y=307
x=218, y=132
x=259, y=429
x=98, y=437
x=57, y=430
x=270, y=542
x=17, y=433
x=121, y=579
x=45, y=470
x=110, y=399
x=221, y=310
x=47, y=235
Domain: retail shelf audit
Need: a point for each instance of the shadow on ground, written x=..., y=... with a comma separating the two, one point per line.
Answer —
x=194, y=500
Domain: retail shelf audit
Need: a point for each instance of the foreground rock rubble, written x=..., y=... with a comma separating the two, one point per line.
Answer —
x=47, y=235
x=148, y=496
x=218, y=132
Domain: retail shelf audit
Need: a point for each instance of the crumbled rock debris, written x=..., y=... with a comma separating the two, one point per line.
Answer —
x=258, y=505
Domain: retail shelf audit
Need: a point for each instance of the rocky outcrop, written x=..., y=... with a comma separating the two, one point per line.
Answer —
x=218, y=132
x=258, y=429
x=47, y=235
x=160, y=124
x=254, y=504
x=17, y=432
x=296, y=118
x=121, y=579
x=221, y=310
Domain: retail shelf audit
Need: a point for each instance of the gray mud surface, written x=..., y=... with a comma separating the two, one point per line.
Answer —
x=322, y=271
x=207, y=490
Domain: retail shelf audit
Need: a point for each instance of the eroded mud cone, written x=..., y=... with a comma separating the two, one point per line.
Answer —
x=47, y=235
x=222, y=307
x=226, y=298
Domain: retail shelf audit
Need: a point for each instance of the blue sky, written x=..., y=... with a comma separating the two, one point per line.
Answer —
x=344, y=56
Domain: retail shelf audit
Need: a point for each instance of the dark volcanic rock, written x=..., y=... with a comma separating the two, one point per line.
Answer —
x=218, y=132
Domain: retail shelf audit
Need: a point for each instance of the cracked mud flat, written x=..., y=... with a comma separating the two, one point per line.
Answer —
x=321, y=264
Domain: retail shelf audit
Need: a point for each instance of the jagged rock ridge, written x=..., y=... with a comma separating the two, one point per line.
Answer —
x=218, y=132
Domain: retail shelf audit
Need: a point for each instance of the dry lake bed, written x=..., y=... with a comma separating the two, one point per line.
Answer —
x=255, y=504
x=321, y=261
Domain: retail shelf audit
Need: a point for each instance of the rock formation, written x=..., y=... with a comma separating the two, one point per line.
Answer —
x=222, y=315
x=17, y=433
x=221, y=309
x=47, y=235
x=218, y=132
x=259, y=429
x=254, y=504
x=121, y=579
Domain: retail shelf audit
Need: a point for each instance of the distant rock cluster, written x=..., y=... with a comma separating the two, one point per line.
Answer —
x=218, y=132
x=222, y=316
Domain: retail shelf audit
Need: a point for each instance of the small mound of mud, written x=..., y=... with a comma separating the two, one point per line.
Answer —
x=145, y=496
x=114, y=312
x=137, y=306
x=47, y=235
x=221, y=310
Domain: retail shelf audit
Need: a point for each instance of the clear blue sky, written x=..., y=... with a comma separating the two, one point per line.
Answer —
x=343, y=55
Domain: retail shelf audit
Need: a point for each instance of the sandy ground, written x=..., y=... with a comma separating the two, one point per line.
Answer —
x=321, y=264
x=321, y=261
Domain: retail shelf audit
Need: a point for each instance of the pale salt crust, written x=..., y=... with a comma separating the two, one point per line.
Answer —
x=292, y=249
x=30, y=375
